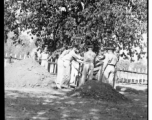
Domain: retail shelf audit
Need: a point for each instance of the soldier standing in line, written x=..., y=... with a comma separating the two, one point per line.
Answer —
x=33, y=54
x=75, y=70
x=100, y=62
x=109, y=65
x=88, y=66
x=44, y=57
x=117, y=53
x=39, y=55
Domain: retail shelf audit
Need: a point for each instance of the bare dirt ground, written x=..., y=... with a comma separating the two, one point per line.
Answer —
x=46, y=103
x=28, y=104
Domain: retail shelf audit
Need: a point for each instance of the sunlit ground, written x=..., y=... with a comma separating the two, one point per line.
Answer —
x=27, y=104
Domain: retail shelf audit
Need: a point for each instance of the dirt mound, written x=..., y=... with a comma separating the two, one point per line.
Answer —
x=99, y=91
x=27, y=73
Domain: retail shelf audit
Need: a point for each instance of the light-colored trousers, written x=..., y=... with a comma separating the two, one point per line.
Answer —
x=63, y=74
x=109, y=74
x=59, y=73
x=87, y=72
x=44, y=63
x=74, y=72
x=99, y=75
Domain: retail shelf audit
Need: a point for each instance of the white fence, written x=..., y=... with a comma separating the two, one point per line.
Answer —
x=49, y=65
x=15, y=56
x=131, y=77
x=137, y=76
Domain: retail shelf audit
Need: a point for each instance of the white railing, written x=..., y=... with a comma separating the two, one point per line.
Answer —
x=138, y=76
x=50, y=66
x=15, y=56
x=131, y=77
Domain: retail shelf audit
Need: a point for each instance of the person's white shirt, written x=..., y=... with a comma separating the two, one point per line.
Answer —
x=44, y=55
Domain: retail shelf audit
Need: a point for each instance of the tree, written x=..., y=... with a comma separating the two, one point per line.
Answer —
x=97, y=19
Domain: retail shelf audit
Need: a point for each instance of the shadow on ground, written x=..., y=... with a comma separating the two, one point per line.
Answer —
x=54, y=105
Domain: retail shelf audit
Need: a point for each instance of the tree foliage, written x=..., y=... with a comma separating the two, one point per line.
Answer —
x=56, y=22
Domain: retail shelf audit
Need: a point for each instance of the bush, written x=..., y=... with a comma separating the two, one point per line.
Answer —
x=127, y=65
x=19, y=49
x=123, y=65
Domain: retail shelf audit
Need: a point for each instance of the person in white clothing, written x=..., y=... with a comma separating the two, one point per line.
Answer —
x=88, y=65
x=65, y=64
x=39, y=52
x=109, y=66
x=75, y=72
x=60, y=67
x=44, y=58
x=33, y=54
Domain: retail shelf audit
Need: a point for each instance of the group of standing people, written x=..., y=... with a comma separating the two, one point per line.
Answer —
x=75, y=67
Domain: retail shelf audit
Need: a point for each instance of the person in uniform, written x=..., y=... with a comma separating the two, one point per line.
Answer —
x=66, y=66
x=44, y=57
x=99, y=63
x=88, y=65
x=75, y=71
x=39, y=55
x=60, y=72
x=109, y=65
x=117, y=53
x=33, y=54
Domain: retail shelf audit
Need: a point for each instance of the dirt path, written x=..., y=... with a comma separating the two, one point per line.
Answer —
x=44, y=104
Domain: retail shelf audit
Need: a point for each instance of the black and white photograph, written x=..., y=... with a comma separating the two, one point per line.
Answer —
x=76, y=59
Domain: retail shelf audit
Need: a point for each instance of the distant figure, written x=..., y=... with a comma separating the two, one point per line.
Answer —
x=55, y=65
x=117, y=53
x=33, y=54
x=39, y=54
x=28, y=54
x=109, y=65
x=44, y=57
x=88, y=66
